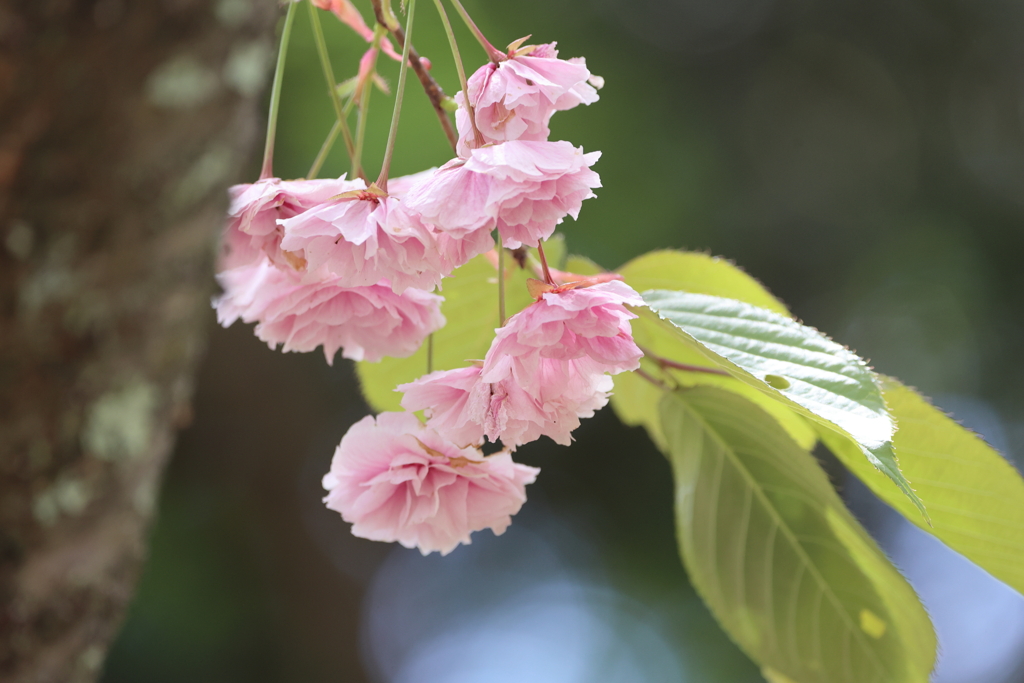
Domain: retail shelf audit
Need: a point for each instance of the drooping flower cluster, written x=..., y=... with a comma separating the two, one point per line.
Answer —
x=352, y=266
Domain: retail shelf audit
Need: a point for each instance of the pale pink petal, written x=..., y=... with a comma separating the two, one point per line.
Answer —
x=365, y=239
x=399, y=187
x=365, y=323
x=444, y=396
x=256, y=208
x=454, y=200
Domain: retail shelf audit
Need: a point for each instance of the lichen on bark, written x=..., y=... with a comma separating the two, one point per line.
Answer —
x=120, y=125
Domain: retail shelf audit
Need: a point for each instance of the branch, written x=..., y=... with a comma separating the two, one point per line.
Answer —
x=430, y=86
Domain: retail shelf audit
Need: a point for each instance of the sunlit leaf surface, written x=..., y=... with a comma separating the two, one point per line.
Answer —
x=791, y=362
x=975, y=498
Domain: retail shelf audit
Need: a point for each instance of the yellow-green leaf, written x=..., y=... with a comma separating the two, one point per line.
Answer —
x=791, y=363
x=784, y=567
x=975, y=498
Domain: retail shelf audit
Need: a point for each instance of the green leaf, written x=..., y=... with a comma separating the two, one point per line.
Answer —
x=792, y=363
x=698, y=273
x=975, y=498
x=471, y=310
x=581, y=265
x=784, y=567
x=635, y=400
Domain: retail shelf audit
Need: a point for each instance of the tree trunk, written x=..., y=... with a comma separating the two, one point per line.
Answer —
x=121, y=123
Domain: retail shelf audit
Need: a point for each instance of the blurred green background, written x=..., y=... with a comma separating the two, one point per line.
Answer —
x=865, y=160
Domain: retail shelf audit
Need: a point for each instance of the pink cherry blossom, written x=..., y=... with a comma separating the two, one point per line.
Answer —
x=549, y=366
x=524, y=189
x=255, y=208
x=366, y=238
x=514, y=99
x=465, y=409
x=567, y=323
x=366, y=323
x=395, y=479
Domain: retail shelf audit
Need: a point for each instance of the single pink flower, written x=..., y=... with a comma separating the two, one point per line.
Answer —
x=549, y=366
x=366, y=323
x=464, y=409
x=365, y=238
x=395, y=479
x=523, y=189
x=255, y=208
x=566, y=323
x=514, y=99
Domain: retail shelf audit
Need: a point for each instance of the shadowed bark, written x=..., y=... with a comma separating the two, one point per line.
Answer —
x=121, y=123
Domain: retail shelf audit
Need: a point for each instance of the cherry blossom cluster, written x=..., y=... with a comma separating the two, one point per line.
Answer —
x=346, y=265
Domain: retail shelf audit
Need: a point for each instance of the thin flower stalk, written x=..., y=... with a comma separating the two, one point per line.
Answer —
x=332, y=85
x=430, y=353
x=363, y=94
x=493, y=53
x=382, y=180
x=275, y=95
x=501, y=284
x=463, y=82
x=325, y=149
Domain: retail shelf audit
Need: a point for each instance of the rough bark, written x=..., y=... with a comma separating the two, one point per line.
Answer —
x=121, y=123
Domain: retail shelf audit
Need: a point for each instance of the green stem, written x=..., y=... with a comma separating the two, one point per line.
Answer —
x=275, y=95
x=314, y=170
x=364, y=105
x=493, y=53
x=501, y=284
x=382, y=180
x=332, y=86
x=430, y=353
x=461, y=69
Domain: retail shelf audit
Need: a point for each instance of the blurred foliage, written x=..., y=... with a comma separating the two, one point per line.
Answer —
x=864, y=160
